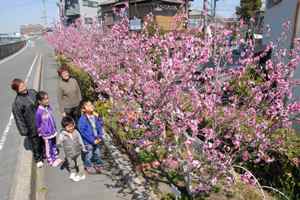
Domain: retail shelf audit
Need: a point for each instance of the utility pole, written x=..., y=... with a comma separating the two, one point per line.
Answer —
x=214, y=8
x=205, y=4
x=61, y=5
x=205, y=11
x=187, y=7
x=44, y=17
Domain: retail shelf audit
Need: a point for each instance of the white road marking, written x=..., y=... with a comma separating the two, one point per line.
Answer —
x=7, y=128
x=14, y=55
x=5, y=132
x=31, y=68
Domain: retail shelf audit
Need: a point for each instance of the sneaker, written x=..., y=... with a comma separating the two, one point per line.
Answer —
x=74, y=177
x=90, y=170
x=81, y=177
x=39, y=164
x=57, y=162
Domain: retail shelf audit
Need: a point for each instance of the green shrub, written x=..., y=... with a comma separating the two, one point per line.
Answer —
x=168, y=196
x=146, y=157
x=281, y=174
x=85, y=83
x=103, y=109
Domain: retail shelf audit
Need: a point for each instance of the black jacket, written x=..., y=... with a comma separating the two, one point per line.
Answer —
x=24, y=113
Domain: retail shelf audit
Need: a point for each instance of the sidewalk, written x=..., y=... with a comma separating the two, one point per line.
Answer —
x=57, y=185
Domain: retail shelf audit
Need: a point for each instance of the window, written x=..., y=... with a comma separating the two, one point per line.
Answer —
x=71, y=3
x=72, y=7
x=91, y=4
x=108, y=19
x=194, y=23
x=84, y=2
x=88, y=20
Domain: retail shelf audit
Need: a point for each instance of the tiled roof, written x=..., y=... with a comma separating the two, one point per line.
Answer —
x=174, y=1
x=108, y=2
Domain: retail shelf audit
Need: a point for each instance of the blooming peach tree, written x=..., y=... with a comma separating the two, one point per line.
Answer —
x=199, y=110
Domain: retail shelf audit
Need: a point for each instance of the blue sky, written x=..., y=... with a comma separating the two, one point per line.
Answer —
x=225, y=8
x=14, y=13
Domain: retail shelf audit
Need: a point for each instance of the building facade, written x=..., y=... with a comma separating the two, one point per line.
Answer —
x=31, y=29
x=196, y=18
x=71, y=10
x=162, y=10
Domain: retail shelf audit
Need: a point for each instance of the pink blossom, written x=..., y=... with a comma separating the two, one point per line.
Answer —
x=173, y=86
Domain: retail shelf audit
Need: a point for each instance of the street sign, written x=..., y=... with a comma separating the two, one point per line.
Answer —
x=135, y=24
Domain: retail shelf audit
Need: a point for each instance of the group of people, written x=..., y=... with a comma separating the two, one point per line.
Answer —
x=81, y=135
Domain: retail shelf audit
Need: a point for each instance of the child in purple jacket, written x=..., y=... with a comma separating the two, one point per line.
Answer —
x=46, y=128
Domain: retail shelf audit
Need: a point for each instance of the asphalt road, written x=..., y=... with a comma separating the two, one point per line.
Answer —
x=17, y=66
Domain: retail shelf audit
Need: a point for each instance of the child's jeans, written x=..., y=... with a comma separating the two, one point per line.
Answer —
x=92, y=157
x=74, y=164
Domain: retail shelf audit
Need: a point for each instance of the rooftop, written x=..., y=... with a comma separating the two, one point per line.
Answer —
x=107, y=2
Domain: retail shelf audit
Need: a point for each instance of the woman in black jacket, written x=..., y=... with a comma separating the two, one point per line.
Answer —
x=23, y=109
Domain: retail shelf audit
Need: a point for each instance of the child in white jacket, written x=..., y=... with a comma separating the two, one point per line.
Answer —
x=73, y=147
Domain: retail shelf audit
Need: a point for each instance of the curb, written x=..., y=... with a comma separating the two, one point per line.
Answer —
x=23, y=186
x=39, y=188
x=22, y=183
x=136, y=183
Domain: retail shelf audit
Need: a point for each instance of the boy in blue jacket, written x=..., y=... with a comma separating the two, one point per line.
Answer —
x=91, y=130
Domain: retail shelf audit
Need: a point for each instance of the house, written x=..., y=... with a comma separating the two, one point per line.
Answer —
x=31, y=29
x=196, y=18
x=162, y=10
x=70, y=10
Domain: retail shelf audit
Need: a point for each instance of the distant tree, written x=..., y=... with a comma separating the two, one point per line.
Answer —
x=248, y=8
